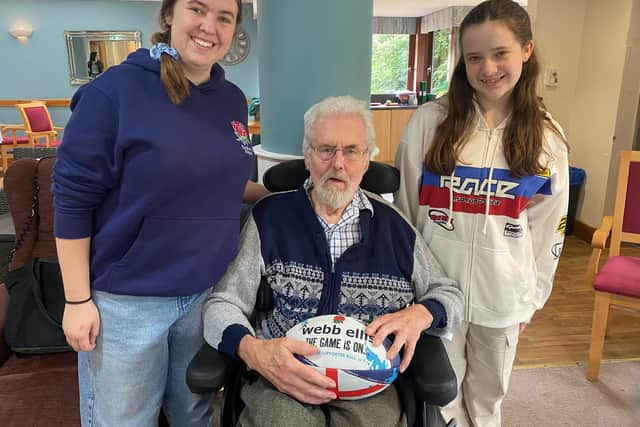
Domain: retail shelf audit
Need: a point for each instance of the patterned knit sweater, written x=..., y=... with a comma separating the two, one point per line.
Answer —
x=284, y=242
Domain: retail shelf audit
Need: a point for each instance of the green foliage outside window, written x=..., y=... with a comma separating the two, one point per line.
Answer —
x=389, y=62
x=439, y=83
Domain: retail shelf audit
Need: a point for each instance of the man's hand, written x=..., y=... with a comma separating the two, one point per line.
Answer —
x=274, y=359
x=407, y=325
x=81, y=325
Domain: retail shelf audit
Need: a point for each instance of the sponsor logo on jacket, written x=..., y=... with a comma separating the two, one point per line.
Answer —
x=556, y=250
x=513, y=230
x=441, y=218
x=508, y=196
x=478, y=187
x=562, y=225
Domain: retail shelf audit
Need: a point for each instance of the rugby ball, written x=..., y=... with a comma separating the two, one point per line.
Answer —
x=347, y=355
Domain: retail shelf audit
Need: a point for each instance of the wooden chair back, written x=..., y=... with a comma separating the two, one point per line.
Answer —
x=35, y=116
x=37, y=122
x=626, y=214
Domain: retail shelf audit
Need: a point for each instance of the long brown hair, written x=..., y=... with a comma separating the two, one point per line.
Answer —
x=523, y=135
x=171, y=71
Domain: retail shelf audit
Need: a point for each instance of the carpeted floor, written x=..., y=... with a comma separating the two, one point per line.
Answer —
x=564, y=397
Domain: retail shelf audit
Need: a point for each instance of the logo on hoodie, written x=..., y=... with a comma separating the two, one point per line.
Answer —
x=441, y=218
x=513, y=230
x=556, y=250
x=470, y=189
x=242, y=136
x=562, y=225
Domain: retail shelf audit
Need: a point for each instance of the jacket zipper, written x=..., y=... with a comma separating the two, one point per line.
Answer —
x=473, y=237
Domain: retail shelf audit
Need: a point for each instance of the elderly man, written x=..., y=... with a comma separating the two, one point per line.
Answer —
x=321, y=248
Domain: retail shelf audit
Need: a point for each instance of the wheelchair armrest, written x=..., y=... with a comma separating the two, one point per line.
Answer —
x=209, y=369
x=431, y=371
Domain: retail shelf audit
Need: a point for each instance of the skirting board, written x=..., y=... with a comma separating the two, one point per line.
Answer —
x=583, y=231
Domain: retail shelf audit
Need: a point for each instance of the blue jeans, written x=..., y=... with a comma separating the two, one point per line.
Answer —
x=140, y=361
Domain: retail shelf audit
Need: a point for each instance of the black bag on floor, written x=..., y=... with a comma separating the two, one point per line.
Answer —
x=36, y=304
x=36, y=294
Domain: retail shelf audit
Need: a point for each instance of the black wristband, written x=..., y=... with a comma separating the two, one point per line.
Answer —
x=77, y=302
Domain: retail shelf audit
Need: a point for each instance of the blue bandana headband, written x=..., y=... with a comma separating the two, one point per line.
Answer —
x=160, y=48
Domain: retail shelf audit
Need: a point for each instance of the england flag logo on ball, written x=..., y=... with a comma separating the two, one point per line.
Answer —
x=347, y=355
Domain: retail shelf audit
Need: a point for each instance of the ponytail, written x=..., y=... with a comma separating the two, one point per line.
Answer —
x=171, y=72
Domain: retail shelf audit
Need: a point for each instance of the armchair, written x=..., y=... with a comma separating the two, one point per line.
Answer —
x=428, y=383
x=617, y=283
x=35, y=389
x=38, y=125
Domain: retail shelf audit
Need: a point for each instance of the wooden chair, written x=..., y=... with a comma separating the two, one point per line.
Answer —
x=618, y=281
x=38, y=125
x=10, y=140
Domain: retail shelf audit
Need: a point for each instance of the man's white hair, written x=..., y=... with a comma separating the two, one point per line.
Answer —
x=338, y=106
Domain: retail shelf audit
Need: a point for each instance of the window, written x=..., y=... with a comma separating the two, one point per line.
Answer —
x=389, y=60
x=440, y=62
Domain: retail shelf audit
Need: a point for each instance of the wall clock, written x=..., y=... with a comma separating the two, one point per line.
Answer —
x=239, y=49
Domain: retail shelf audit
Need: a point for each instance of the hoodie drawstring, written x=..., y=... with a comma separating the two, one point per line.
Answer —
x=453, y=173
x=488, y=197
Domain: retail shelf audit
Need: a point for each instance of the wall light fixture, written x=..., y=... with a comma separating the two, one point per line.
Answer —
x=21, y=33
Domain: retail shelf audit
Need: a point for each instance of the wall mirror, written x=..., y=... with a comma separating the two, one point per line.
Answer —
x=92, y=52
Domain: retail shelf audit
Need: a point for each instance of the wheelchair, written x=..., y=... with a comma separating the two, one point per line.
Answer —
x=428, y=383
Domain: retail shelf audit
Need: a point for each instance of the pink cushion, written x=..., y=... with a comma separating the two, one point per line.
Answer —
x=52, y=143
x=19, y=140
x=38, y=119
x=620, y=275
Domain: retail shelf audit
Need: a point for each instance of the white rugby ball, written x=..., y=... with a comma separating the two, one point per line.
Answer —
x=347, y=355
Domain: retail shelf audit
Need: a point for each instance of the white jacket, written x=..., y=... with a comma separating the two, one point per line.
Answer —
x=504, y=257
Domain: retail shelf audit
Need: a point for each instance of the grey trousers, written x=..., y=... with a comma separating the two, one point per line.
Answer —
x=265, y=406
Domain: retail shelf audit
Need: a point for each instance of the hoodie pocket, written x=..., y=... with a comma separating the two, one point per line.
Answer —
x=453, y=256
x=176, y=256
x=497, y=282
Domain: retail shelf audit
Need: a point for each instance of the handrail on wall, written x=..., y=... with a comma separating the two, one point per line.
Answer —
x=55, y=102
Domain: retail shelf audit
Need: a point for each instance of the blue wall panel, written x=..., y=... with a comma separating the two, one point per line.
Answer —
x=312, y=49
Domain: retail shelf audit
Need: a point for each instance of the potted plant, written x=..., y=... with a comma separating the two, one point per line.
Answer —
x=254, y=109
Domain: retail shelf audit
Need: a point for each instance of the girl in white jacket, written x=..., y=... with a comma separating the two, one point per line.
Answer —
x=484, y=176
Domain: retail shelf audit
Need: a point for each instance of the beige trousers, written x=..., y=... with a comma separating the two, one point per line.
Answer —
x=482, y=359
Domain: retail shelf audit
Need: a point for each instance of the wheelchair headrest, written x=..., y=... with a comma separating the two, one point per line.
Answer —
x=380, y=178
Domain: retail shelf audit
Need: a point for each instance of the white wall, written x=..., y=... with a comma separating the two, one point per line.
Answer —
x=586, y=40
x=557, y=30
x=628, y=104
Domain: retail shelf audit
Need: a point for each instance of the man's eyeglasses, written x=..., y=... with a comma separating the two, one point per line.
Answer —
x=328, y=152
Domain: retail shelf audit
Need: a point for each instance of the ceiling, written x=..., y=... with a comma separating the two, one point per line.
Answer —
x=407, y=7
x=419, y=7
